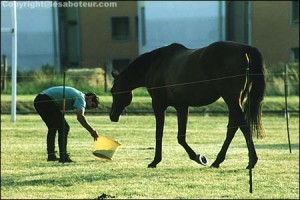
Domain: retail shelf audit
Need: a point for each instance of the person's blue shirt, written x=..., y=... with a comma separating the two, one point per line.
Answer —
x=74, y=98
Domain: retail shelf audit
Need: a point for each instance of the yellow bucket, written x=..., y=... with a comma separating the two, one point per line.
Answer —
x=105, y=147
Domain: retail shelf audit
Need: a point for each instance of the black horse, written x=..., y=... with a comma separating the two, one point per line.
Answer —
x=180, y=77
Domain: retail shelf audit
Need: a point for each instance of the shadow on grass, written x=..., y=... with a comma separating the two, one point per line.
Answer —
x=277, y=146
x=56, y=180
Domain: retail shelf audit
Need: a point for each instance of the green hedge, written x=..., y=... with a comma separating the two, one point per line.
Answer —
x=92, y=79
x=143, y=104
x=275, y=77
x=84, y=79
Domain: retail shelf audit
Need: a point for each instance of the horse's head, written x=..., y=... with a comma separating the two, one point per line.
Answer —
x=121, y=97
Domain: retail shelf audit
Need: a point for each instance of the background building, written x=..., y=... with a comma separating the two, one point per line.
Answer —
x=275, y=30
x=271, y=26
x=38, y=43
x=194, y=24
x=109, y=35
x=112, y=36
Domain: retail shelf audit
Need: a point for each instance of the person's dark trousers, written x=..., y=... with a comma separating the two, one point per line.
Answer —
x=54, y=119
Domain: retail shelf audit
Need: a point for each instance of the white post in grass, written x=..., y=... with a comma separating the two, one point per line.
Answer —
x=14, y=64
x=14, y=57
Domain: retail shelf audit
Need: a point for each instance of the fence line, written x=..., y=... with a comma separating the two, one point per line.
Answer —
x=266, y=74
x=189, y=83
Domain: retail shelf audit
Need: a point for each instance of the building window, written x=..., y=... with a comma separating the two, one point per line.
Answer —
x=295, y=54
x=120, y=64
x=120, y=28
x=295, y=12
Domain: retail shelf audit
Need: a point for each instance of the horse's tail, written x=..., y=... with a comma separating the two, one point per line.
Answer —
x=257, y=91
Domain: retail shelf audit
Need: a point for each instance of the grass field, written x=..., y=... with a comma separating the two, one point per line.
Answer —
x=25, y=173
x=143, y=104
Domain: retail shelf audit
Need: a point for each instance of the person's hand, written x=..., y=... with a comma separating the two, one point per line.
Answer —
x=94, y=134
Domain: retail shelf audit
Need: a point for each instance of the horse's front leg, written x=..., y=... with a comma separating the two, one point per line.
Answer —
x=160, y=120
x=182, y=117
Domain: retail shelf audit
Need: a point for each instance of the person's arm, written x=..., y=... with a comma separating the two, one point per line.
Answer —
x=82, y=120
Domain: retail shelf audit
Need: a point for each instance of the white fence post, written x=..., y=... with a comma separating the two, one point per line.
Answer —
x=14, y=53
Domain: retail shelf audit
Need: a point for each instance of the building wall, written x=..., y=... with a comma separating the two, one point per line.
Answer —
x=272, y=31
x=194, y=24
x=97, y=45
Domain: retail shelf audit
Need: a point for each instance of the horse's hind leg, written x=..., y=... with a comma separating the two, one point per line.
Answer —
x=236, y=119
x=247, y=134
x=182, y=116
x=253, y=156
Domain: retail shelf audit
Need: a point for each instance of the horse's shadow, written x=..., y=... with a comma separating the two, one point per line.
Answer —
x=277, y=146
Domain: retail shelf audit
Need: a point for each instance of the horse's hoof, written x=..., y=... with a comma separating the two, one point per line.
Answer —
x=202, y=160
x=151, y=166
x=248, y=167
x=215, y=165
x=253, y=164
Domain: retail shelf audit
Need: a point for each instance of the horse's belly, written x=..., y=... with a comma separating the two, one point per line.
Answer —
x=203, y=101
x=193, y=97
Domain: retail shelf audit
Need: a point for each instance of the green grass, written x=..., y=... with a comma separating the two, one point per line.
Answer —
x=25, y=104
x=25, y=173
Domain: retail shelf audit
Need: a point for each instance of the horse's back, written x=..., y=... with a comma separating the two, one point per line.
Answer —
x=199, y=76
x=224, y=57
x=220, y=59
x=221, y=56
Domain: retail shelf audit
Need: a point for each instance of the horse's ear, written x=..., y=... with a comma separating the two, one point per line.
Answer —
x=115, y=73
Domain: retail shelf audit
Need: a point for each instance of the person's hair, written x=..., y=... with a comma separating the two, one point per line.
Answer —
x=95, y=99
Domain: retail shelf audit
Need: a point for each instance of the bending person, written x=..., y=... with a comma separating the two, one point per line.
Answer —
x=49, y=105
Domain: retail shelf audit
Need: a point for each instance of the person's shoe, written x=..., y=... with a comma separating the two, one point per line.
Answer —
x=52, y=157
x=65, y=159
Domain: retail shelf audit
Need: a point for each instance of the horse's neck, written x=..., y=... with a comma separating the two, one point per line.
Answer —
x=136, y=79
x=136, y=72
